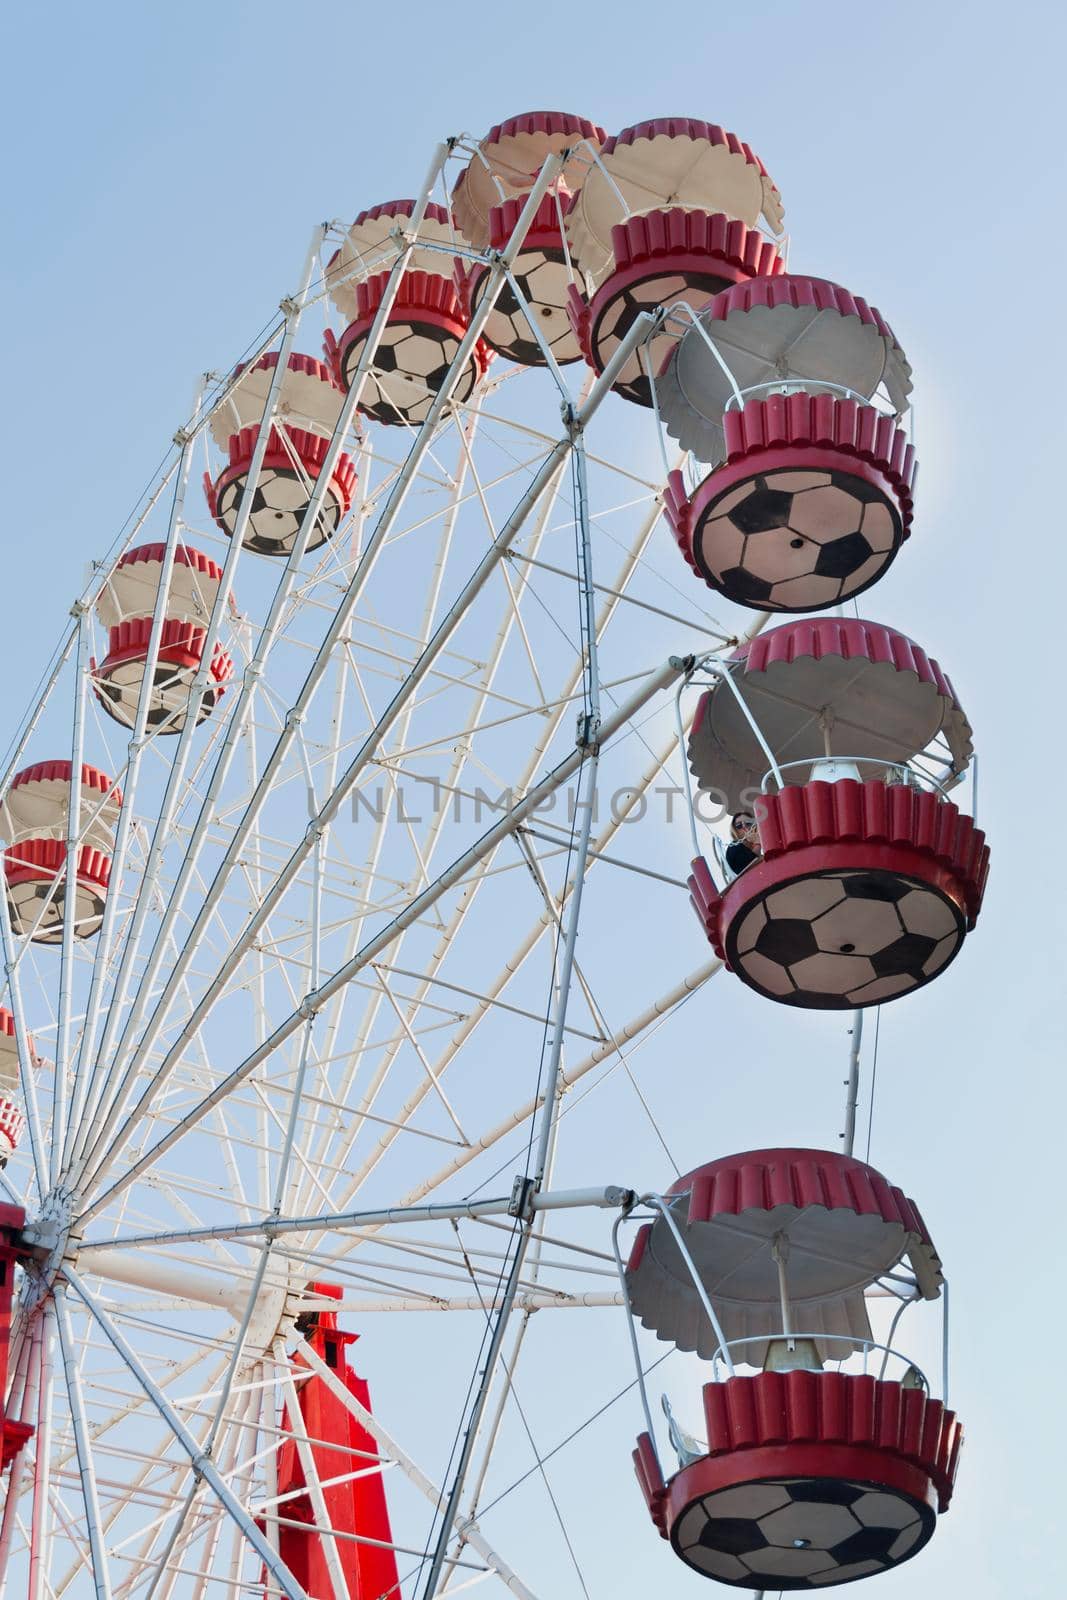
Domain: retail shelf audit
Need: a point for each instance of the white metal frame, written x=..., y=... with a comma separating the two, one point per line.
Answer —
x=151, y=1343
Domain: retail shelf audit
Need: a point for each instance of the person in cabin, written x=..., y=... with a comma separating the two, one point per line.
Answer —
x=744, y=846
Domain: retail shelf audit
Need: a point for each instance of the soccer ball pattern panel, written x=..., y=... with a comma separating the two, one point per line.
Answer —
x=410, y=366
x=278, y=507
x=615, y=315
x=844, y=939
x=119, y=689
x=797, y=541
x=543, y=281
x=800, y=1533
x=25, y=901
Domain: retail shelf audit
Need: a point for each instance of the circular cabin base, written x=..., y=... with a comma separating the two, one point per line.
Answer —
x=291, y=465
x=542, y=276
x=278, y=507
x=808, y=529
x=410, y=365
x=622, y=298
x=663, y=258
x=857, y=936
x=419, y=342
x=864, y=893
x=834, y=1514
x=118, y=687
x=118, y=678
x=809, y=509
x=30, y=882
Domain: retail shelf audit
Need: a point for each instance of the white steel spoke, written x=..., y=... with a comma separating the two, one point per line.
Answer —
x=350, y=921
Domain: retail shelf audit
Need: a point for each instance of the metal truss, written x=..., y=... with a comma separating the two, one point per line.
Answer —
x=369, y=926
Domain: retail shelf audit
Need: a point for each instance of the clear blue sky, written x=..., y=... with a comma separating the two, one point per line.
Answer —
x=165, y=167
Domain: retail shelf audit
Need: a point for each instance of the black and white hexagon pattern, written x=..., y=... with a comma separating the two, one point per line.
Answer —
x=27, y=909
x=410, y=366
x=800, y=1533
x=278, y=507
x=620, y=312
x=845, y=939
x=543, y=280
x=797, y=541
x=120, y=691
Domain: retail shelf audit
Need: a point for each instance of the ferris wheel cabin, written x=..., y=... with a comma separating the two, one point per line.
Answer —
x=35, y=820
x=809, y=1476
x=127, y=607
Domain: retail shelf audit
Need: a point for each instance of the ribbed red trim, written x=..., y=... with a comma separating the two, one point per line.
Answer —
x=546, y=122
x=7, y=1028
x=851, y=638
x=43, y=858
x=422, y=297
x=401, y=208
x=834, y=813
x=418, y=291
x=690, y=243
x=783, y=1408
x=309, y=448
x=846, y=813
x=797, y=422
x=181, y=643
x=650, y=1479
x=759, y=1180
x=309, y=365
x=59, y=772
x=678, y=510
x=184, y=556
x=543, y=231
x=656, y=234
x=706, y=901
x=684, y=128
x=788, y=289
x=12, y=1122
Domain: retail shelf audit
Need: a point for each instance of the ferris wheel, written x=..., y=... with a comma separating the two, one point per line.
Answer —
x=492, y=614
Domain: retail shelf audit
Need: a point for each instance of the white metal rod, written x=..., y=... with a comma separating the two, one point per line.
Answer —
x=630, y=1031
x=470, y=1531
x=511, y=966
x=88, y=1066
x=14, y=1482
x=698, y=1283
x=328, y=811
x=853, y=1082
x=201, y=1464
x=82, y=1441
x=69, y=874
x=241, y=712
x=40, y=1541
x=623, y=1298
x=338, y=626
x=436, y=832
x=541, y=1300
x=174, y=791
x=589, y=760
x=415, y=908
x=273, y=1227
x=448, y=935
x=310, y=1471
